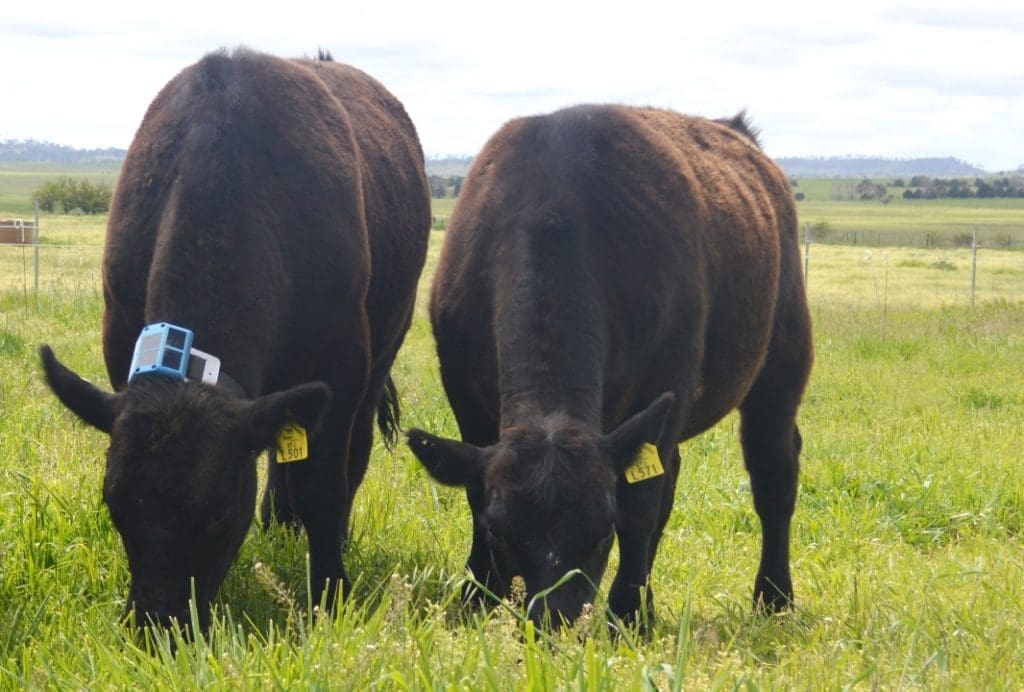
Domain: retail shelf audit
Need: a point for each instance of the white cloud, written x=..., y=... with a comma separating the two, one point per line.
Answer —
x=919, y=78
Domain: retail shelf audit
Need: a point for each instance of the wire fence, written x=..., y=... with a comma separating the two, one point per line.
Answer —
x=50, y=269
x=914, y=276
x=915, y=239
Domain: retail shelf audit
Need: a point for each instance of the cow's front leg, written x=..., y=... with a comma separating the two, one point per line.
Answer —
x=319, y=493
x=630, y=598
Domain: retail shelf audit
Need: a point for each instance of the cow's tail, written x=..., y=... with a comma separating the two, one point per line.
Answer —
x=388, y=414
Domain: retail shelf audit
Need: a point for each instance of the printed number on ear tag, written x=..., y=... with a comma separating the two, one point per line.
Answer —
x=292, y=444
x=646, y=465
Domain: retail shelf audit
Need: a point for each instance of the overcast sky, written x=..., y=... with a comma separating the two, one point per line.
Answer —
x=866, y=78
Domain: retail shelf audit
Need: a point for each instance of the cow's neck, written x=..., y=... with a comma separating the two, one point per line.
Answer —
x=227, y=308
x=549, y=330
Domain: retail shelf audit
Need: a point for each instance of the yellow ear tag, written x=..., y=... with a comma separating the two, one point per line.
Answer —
x=292, y=444
x=646, y=465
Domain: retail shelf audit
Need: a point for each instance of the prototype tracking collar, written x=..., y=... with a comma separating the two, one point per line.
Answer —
x=166, y=349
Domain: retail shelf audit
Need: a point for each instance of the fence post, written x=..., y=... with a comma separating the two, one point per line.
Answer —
x=807, y=251
x=37, y=251
x=974, y=263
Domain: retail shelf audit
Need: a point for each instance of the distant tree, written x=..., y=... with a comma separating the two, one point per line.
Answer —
x=91, y=198
x=32, y=150
x=960, y=189
x=820, y=230
x=866, y=190
x=71, y=194
x=799, y=197
x=47, y=196
x=898, y=183
x=920, y=181
x=438, y=188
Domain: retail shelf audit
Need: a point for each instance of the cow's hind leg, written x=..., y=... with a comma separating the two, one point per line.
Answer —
x=771, y=450
x=319, y=486
x=358, y=461
x=318, y=489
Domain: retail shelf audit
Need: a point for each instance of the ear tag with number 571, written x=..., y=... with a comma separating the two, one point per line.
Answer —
x=292, y=444
x=646, y=465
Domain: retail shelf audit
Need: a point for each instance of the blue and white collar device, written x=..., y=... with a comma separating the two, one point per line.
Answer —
x=165, y=349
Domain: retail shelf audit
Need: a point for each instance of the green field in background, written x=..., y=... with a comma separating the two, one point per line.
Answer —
x=901, y=222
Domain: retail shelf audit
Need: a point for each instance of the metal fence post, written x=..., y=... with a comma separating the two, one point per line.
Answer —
x=974, y=263
x=807, y=251
x=37, y=250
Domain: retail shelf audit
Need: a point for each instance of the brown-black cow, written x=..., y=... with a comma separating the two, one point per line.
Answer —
x=279, y=210
x=615, y=280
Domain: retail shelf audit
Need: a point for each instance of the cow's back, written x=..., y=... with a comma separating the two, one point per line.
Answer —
x=673, y=224
x=243, y=212
x=395, y=191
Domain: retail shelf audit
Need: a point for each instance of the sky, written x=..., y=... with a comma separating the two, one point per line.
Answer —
x=898, y=79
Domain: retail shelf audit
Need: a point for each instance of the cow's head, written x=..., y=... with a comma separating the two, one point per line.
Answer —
x=180, y=481
x=548, y=501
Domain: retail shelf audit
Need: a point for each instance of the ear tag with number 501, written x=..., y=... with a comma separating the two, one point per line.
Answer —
x=646, y=465
x=292, y=444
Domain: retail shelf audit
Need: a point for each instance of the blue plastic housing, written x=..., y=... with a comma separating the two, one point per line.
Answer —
x=161, y=349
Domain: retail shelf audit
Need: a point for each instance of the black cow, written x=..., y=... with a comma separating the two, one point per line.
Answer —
x=613, y=278
x=279, y=210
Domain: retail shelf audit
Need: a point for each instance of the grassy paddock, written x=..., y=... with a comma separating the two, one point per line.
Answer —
x=907, y=544
x=19, y=180
x=912, y=223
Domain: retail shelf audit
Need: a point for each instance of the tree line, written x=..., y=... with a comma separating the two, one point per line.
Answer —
x=925, y=187
x=445, y=185
x=71, y=194
x=33, y=150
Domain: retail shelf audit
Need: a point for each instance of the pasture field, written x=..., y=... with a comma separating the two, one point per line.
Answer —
x=908, y=541
x=908, y=222
x=19, y=180
x=920, y=223
x=913, y=222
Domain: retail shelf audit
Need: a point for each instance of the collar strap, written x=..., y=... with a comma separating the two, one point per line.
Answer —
x=166, y=349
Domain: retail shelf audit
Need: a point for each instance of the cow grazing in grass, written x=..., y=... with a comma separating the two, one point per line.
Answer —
x=615, y=278
x=279, y=210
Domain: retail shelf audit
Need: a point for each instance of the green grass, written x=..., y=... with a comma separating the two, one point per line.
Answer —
x=908, y=559
x=903, y=222
x=19, y=180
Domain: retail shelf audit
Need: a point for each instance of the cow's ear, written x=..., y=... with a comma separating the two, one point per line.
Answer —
x=305, y=405
x=625, y=441
x=84, y=399
x=449, y=461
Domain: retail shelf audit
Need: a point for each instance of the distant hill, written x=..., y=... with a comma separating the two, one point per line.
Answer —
x=865, y=167
x=48, y=152
x=448, y=165
x=795, y=167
